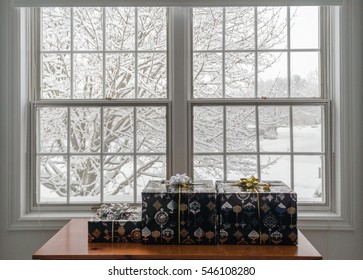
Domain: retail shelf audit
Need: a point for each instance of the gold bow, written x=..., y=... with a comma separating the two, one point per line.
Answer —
x=252, y=183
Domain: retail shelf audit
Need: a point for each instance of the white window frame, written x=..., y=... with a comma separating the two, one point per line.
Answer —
x=338, y=217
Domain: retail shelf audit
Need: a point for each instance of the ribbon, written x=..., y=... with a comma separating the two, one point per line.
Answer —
x=252, y=184
x=181, y=181
x=115, y=211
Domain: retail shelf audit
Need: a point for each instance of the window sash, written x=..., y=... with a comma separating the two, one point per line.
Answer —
x=325, y=149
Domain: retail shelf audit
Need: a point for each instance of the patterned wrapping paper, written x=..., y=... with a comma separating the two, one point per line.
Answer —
x=107, y=229
x=266, y=218
x=179, y=215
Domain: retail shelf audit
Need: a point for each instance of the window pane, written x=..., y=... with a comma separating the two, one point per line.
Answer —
x=240, y=28
x=149, y=168
x=240, y=75
x=274, y=128
x=208, y=167
x=56, y=29
x=87, y=25
x=307, y=128
x=53, y=132
x=151, y=129
x=85, y=129
x=53, y=179
x=272, y=27
x=308, y=178
x=207, y=75
x=118, y=178
x=85, y=179
x=120, y=75
x=304, y=27
x=118, y=129
x=151, y=28
x=56, y=76
x=241, y=166
x=272, y=74
x=241, y=128
x=152, y=75
x=208, y=129
x=276, y=167
x=207, y=28
x=88, y=76
x=305, y=74
x=120, y=28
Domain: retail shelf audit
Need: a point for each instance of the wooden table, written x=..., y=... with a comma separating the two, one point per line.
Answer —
x=71, y=242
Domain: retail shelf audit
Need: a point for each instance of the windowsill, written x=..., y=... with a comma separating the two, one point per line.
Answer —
x=54, y=221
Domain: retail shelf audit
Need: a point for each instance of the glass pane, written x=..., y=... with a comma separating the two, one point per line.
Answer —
x=118, y=178
x=53, y=132
x=151, y=23
x=272, y=27
x=308, y=175
x=85, y=179
x=151, y=75
x=241, y=166
x=149, y=168
x=207, y=75
x=274, y=127
x=276, y=167
x=56, y=72
x=88, y=76
x=120, y=28
x=208, y=167
x=207, y=28
x=240, y=28
x=240, y=75
x=53, y=179
x=307, y=128
x=305, y=74
x=208, y=129
x=85, y=129
x=120, y=75
x=151, y=129
x=304, y=27
x=87, y=28
x=272, y=74
x=118, y=129
x=56, y=29
x=241, y=129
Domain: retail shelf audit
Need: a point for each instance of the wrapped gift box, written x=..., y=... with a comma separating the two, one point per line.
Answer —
x=179, y=215
x=117, y=223
x=257, y=216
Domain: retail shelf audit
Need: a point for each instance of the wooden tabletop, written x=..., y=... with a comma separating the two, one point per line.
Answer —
x=71, y=242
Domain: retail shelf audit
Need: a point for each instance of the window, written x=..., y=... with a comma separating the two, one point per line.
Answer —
x=101, y=111
x=106, y=113
x=259, y=105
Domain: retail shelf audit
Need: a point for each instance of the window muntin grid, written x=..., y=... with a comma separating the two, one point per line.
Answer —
x=275, y=127
x=89, y=151
x=254, y=52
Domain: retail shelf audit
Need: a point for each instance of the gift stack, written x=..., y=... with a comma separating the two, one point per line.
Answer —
x=255, y=213
x=118, y=223
x=179, y=212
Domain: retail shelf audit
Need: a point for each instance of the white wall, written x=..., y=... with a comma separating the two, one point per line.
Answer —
x=331, y=244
